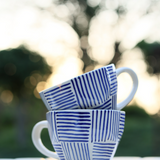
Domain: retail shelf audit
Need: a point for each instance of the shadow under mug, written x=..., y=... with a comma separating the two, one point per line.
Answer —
x=96, y=89
x=81, y=134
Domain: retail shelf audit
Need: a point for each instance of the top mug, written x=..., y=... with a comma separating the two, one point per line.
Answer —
x=96, y=89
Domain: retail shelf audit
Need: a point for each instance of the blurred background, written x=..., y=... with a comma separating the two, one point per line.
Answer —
x=45, y=42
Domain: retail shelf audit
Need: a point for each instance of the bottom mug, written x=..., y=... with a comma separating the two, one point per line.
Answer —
x=81, y=134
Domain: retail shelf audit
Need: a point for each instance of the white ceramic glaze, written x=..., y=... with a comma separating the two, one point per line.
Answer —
x=81, y=134
x=96, y=89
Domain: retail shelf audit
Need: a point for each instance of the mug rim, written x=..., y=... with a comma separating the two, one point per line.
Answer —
x=112, y=64
x=83, y=110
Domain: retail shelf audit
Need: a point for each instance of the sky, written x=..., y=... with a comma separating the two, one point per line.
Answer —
x=51, y=35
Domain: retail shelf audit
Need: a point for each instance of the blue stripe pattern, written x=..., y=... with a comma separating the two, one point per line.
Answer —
x=85, y=134
x=91, y=90
x=59, y=150
x=76, y=151
x=102, y=128
x=61, y=97
x=114, y=102
x=103, y=151
x=52, y=127
x=73, y=126
x=121, y=125
x=112, y=77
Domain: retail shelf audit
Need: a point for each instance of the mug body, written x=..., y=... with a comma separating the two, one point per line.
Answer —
x=96, y=89
x=85, y=134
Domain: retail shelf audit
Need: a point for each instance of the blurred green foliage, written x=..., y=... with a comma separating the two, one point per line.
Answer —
x=21, y=70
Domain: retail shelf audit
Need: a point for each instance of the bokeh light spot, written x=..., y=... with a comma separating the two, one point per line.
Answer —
x=6, y=96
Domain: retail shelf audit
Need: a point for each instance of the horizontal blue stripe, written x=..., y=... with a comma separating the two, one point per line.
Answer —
x=105, y=144
x=78, y=138
x=69, y=105
x=101, y=155
x=78, y=116
x=100, y=159
x=71, y=119
x=65, y=133
x=61, y=94
x=114, y=86
x=108, y=67
x=104, y=153
x=59, y=91
x=73, y=106
x=113, y=76
x=82, y=127
x=73, y=112
x=81, y=140
x=74, y=130
x=105, y=150
x=104, y=147
x=61, y=98
x=74, y=123
x=57, y=88
x=57, y=145
x=63, y=102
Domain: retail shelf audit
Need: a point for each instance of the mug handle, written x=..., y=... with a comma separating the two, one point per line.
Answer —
x=36, y=138
x=134, y=87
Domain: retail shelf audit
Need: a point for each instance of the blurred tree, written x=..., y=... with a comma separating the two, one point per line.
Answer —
x=80, y=13
x=152, y=55
x=20, y=71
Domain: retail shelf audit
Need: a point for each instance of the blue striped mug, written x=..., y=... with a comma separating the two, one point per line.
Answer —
x=81, y=134
x=96, y=89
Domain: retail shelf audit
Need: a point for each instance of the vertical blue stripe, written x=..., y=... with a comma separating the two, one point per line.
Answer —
x=106, y=82
x=107, y=127
x=94, y=88
x=96, y=125
x=68, y=150
x=92, y=126
x=82, y=150
x=94, y=99
x=95, y=75
x=110, y=125
x=86, y=87
x=77, y=86
x=55, y=126
x=88, y=152
x=72, y=151
x=76, y=151
x=104, y=120
x=65, y=152
x=100, y=83
x=99, y=126
x=79, y=151
x=85, y=100
x=76, y=94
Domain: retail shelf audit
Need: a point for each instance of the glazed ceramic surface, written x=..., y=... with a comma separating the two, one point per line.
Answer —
x=93, y=90
x=81, y=134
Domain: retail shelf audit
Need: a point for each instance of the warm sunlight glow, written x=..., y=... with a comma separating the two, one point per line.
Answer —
x=148, y=90
x=25, y=23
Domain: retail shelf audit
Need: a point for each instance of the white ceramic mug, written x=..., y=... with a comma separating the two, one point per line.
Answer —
x=96, y=89
x=81, y=134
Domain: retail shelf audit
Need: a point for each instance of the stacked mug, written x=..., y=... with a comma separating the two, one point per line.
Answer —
x=84, y=120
